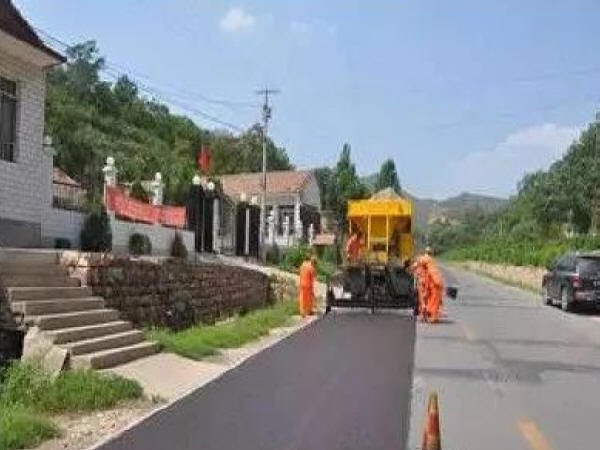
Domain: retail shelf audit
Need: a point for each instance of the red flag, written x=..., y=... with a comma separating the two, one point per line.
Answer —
x=203, y=158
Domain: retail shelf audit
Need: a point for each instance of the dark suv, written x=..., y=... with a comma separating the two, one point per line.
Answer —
x=573, y=280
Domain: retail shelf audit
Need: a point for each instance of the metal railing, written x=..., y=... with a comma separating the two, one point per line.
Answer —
x=67, y=196
x=7, y=151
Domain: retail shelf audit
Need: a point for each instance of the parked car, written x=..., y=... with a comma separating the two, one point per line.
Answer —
x=573, y=280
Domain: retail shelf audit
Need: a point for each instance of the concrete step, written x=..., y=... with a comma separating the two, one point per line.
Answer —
x=113, y=357
x=109, y=341
x=72, y=334
x=29, y=256
x=7, y=269
x=47, y=293
x=58, y=305
x=73, y=319
x=26, y=280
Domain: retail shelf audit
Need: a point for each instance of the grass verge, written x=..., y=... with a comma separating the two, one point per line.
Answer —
x=22, y=429
x=502, y=280
x=28, y=394
x=205, y=340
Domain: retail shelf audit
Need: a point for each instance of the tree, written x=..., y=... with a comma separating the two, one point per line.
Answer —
x=388, y=177
x=90, y=119
x=346, y=185
x=324, y=177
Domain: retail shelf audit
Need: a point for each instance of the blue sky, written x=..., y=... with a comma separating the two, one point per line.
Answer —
x=464, y=95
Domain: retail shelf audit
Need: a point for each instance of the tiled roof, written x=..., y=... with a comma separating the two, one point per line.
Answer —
x=13, y=23
x=278, y=182
x=60, y=177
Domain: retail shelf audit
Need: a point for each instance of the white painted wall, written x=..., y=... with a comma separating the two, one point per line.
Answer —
x=64, y=224
x=161, y=237
x=22, y=184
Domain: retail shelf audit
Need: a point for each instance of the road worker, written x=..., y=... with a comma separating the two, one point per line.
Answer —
x=353, y=247
x=419, y=270
x=434, y=286
x=308, y=276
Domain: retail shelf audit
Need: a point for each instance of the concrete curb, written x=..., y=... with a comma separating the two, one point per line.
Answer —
x=105, y=440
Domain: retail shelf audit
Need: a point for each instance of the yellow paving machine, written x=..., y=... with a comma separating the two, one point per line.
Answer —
x=380, y=278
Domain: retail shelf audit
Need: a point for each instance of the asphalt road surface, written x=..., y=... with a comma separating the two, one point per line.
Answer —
x=341, y=383
x=511, y=373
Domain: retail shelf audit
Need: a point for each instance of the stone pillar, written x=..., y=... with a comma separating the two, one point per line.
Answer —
x=110, y=172
x=311, y=233
x=275, y=212
x=270, y=229
x=157, y=189
x=297, y=221
x=216, y=225
x=286, y=231
x=110, y=179
x=247, y=240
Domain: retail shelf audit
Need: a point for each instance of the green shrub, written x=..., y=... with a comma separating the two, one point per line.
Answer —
x=139, y=244
x=138, y=192
x=62, y=243
x=178, y=249
x=273, y=255
x=96, y=235
x=329, y=255
x=295, y=256
x=530, y=252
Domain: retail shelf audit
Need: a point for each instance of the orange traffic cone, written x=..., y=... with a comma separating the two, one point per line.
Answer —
x=431, y=432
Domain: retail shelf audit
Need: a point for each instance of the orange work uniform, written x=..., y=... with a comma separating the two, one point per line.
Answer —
x=353, y=248
x=435, y=290
x=420, y=272
x=308, y=275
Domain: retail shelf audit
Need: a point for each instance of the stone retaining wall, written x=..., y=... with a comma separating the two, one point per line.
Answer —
x=524, y=276
x=168, y=292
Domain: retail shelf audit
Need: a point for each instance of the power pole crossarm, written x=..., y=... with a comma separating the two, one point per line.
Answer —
x=266, y=116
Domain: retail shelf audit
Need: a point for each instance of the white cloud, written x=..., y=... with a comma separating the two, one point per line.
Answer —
x=236, y=20
x=498, y=171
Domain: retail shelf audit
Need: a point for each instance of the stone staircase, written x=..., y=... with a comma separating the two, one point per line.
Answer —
x=41, y=289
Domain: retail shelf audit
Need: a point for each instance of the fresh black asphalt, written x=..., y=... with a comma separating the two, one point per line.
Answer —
x=341, y=383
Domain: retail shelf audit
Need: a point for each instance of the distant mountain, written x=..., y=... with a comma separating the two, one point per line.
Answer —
x=452, y=209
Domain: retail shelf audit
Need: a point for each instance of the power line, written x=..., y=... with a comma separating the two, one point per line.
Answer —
x=165, y=94
x=177, y=103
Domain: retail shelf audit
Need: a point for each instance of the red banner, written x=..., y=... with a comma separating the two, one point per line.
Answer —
x=203, y=158
x=125, y=206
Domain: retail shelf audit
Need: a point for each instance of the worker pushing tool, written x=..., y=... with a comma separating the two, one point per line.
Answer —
x=430, y=287
x=353, y=247
x=306, y=298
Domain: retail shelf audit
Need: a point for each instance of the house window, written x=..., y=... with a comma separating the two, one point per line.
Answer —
x=8, y=119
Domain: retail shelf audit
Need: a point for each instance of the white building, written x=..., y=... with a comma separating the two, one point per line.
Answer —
x=293, y=202
x=25, y=167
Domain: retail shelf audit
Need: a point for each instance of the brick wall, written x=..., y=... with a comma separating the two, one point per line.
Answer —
x=22, y=190
x=164, y=292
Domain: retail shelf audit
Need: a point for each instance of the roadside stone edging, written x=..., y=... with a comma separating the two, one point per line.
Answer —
x=526, y=277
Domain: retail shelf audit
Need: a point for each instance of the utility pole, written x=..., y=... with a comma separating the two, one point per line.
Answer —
x=266, y=116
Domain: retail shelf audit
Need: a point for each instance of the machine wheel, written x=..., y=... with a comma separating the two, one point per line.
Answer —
x=328, y=296
x=565, y=304
x=545, y=297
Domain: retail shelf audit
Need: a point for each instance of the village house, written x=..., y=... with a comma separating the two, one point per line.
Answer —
x=25, y=165
x=293, y=202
